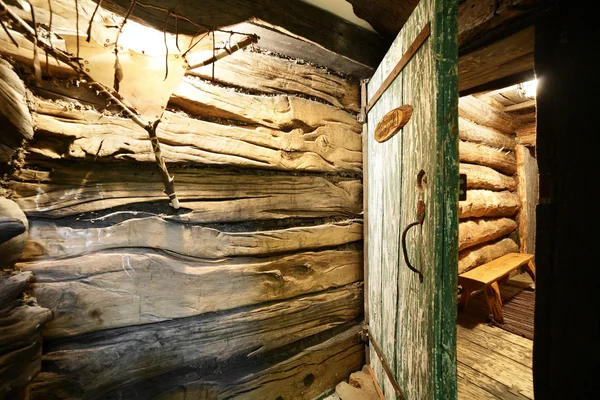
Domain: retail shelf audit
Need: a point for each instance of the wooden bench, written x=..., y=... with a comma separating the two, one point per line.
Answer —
x=486, y=277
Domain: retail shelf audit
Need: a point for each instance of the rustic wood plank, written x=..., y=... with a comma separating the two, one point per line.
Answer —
x=486, y=178
x=514, y=54
x=467, y=390
x=503, y=161
x=520, y=106
x=283, y=112
x=477, y=231
x=528, y=191
x=110, y=290
x=329, y=147
x=472, y=132
x=476, y=110
x=483, y=385
x=49, y=240
x=485, y=274
x=304, y=376
x=476, y=256
x=205, y=195
x=268, y=74
x=486, y=203
x=108, y=360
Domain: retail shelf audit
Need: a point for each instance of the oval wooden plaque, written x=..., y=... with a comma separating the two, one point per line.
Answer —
x=392, y=122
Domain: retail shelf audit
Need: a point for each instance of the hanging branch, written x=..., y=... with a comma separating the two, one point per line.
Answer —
x=74, y=63
x=227, y=51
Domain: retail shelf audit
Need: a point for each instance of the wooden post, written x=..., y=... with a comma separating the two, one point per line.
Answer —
x=494, y=300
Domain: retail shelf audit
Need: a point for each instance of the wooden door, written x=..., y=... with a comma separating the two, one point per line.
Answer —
x=414, y=323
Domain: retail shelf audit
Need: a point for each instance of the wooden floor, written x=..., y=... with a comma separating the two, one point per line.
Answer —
x=493, y=363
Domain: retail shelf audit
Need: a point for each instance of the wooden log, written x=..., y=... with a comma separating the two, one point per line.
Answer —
x=528, y=192
x=107, y=360
x=20, y=326
x=12, y=286
x=15, y=119
x=482, y=177
x=331, y=147
x=478, y=231
x=472, y=132
x=476, y=256
x=268, y=74
x=503, y=161
x=283, y=112
x=10, y=227
x=49, y=240
x=527, y=140
x=486, y=203
x=111, y=290
x=19, y=367
x=12, y=248
x=304, y=376
x=206, y=196
x=475, y=110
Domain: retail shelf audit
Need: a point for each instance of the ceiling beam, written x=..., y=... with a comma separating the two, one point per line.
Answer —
x=298, y=19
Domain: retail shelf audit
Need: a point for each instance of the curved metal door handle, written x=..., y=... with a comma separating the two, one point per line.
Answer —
x=420, y=219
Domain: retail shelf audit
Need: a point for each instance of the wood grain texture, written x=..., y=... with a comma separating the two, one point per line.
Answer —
x=502, y=161
x=478, y=231
x=270, y=74
x=108, y=360
x=486, y=178
x=478, y=111
x=205, y=195
x=50, y=241
x=403, y=311
x=12, y=248
x=283, y=112
x=110, y=290
x=472, y=132
x=528, y=191
x=486, y=203
x=478, y=255
x=329, y=148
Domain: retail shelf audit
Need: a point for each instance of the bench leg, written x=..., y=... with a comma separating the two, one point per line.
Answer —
x=464, y=299
x=530, y=269
x=494, y=300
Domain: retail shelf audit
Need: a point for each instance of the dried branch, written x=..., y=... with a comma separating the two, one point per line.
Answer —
x=30, y=32
x=227, y=51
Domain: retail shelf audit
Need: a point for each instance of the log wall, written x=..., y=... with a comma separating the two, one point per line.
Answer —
x=489, y=215
x=253, y=287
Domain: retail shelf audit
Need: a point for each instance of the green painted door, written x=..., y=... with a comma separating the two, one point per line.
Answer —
x=414, y=323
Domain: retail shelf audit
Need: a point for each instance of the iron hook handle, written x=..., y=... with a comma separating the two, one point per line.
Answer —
x=421, y=218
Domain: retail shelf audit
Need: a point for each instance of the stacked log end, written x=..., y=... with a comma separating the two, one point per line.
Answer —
x=487, y=155
x=252, y=289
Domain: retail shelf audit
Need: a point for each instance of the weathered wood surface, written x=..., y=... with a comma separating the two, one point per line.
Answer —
x=472, y=132
x=12, y=248
x=526, y=128
x=49, y=240
x=478, y=231
x=528, y=191
x=486, y=203
x=269, y=74
x=73, y=134
x=482, y=177
x=501, y=160
x=509, y=56
x=107, y=360
x=476, y=256
x=205, y=195
x=476, y=110
x=413, y=322
x=527, y=140
x=109, y=290
x=303, y=376
x=283, y=112
x=15, y=119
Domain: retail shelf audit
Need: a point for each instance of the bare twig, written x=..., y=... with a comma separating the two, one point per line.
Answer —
x=89, y=30
x=239, y=45
x=74, y=63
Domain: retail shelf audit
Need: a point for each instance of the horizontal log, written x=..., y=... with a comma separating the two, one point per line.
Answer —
x=18, y=368
x=111, y=290
x=12, y=286
x=527, y=129
x=73, y=134
x=476, y=256
x=268, y=74
x=283, y=112
x=486, y=203
x=482, y=177
x=478, y=231
x=527, y=140
x=205, y=195
x=107, y=360
x=503, y=161
x=472, y=132
x=480, y=112
x=20, y=325
x=304, y=376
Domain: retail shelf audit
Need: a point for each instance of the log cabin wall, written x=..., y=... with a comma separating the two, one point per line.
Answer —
x=488, y=218
x=253, y=289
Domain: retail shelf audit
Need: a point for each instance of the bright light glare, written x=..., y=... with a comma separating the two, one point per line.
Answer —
x=529, y=88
